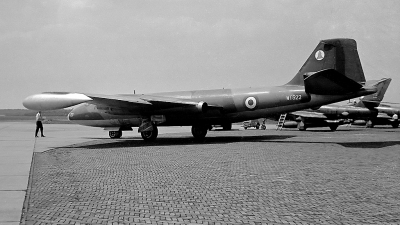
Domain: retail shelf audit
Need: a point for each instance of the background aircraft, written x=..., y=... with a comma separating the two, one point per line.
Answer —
x=387, y=115
x=332, y=73
x=334, y=115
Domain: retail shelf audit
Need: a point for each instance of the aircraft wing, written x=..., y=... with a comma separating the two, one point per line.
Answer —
x=307, y=114
x=59, y=100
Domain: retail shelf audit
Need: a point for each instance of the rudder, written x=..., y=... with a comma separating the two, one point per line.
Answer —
x=374, y=100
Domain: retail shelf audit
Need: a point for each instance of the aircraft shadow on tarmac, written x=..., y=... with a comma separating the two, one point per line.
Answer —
x=380, y=144
x=169, y=141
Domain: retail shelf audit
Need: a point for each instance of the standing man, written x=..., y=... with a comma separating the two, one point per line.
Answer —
x=39, y=124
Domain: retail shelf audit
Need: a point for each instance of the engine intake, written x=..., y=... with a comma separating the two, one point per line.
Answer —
x=202, y=107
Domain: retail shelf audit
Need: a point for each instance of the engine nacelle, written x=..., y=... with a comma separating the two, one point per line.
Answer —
x=316, y=107
x=202, y=107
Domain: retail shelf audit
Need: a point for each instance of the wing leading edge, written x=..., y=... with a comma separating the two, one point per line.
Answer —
x=59, y=100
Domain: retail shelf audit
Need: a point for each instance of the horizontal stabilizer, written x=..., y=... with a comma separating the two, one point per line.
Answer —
x=329, y=82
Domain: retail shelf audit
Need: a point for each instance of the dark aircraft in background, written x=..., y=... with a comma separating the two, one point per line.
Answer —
x=387, y=115
x=334, y=115
x=332, y=73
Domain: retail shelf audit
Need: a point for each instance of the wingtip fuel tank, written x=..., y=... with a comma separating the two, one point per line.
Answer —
x=54, y=100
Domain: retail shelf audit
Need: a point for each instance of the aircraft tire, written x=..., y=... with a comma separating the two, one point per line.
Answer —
x=301, y=126
x=199, y=132
x=263, y=127
x=333, y=127
x=370, y=124
x=115, y=134
x=395, y=124
x=227, y=126
x=150, y=135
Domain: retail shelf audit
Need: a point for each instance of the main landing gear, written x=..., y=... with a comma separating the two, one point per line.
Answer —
x=370, y=124
x=333, y=127
x=150, y=135
x=199, y=132
x=146, y=135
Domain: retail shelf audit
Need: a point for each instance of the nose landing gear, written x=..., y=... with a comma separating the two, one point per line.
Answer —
x=115, y=134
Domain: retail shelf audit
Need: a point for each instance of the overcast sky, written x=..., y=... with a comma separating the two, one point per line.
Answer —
x=111, y=47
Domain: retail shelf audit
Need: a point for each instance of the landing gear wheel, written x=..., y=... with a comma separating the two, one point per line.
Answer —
x=263, y=127
x=333, y=127
x=395, y=124
x=199, y=132
x=370, y=124
x=150, y=135
x=301, y=126
x=115, y=134
x=227, y=126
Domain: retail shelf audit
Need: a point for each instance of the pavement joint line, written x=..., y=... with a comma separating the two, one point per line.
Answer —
x=25, y=206
x=13, y=190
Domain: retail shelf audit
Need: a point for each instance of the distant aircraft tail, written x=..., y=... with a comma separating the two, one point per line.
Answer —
x=371, y=101
x=333, y=62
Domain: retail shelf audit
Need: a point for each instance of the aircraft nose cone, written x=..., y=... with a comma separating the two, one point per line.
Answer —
x=70, y=116
x=78, y=112
x=84, y=112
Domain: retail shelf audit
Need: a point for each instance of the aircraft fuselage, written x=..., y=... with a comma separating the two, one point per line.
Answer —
x=348, y=112
x=236, y=105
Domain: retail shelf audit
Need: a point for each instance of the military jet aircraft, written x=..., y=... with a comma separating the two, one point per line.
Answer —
x=334, y=115
x=387, y=115
x=332, y=73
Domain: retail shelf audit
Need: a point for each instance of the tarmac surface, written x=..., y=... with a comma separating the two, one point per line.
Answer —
x=79, y=176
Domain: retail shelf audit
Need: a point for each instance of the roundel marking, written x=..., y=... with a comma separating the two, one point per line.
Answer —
x=250, y=102
x=319, y=55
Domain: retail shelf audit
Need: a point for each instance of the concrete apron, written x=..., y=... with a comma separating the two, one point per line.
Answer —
x=17, y=145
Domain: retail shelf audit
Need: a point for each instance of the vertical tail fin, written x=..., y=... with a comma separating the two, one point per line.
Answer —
x=338, y=54
x=371, y=101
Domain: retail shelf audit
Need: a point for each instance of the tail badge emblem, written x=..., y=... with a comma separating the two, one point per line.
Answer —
x=319, y=55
